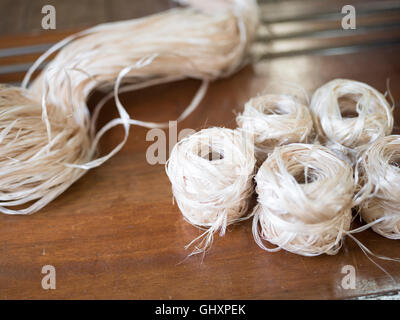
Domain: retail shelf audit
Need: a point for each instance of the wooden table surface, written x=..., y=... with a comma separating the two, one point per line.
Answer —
x=115, y=234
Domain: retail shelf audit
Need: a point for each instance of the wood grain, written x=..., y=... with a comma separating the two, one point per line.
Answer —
x=115, y=234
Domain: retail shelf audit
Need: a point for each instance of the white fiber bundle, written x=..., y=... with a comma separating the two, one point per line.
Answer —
x=184, y=42
x=379, y=197
x=211, y=174
x=32, y=168
x=274, y=120
x=48, y=139
x=350, y=114
x=304, y=200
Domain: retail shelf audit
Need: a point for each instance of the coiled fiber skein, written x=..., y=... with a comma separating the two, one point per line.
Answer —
x=304, y=200
x=273, y=120
x=348, y=115
x=211, y=173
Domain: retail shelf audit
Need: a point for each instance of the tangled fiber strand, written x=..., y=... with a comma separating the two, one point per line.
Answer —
x=379, y=197
x=48, y=139
x=304, y=200
x=349, y=115
x=211, y=174
x=274, y=120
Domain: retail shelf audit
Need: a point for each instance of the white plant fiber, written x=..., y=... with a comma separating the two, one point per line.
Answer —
x=348, y=115
x=274, y=120
x=211, y=174
x=379, y=196
x=48, y=137
x=304, y=200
